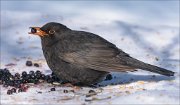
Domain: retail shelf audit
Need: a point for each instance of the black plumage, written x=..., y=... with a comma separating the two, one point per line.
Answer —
x=85, y=58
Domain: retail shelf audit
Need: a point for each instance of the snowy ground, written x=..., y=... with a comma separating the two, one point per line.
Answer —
x=148, y=31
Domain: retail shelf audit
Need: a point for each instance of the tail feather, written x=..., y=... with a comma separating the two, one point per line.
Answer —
x=158, y=70
x=144, y=66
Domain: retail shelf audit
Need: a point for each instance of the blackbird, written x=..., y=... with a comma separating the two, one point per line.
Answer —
x=80, y=57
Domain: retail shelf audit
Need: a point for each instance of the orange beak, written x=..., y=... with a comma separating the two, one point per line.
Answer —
x=37, y=31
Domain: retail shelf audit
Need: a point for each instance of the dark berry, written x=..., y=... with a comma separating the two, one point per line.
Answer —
x=13, y=90
x=6, y=72
x=33, y=30
x=55, y=78
x=10, y=83
x=39, y=92
x=28, y=63
x=108, y=77
x=36, y=64
x=50, y=80
x=24, y=73
x=28, y=76
x=53, y=89
x=17, y=83
x=33, y=76
x=65, y=91
x=35, y=81
x=5, y=78
x=38, y=72
x=92, y=91
x=9, y=92
x=43, y=76
x=31, y=72
x=24, y=81
x=11, y=77
x=47, y=77
x=38, y=76
x=20, y=90
x=17, y=76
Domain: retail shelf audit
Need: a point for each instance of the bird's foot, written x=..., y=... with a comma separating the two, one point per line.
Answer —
x=72, y=86
x=68, y=85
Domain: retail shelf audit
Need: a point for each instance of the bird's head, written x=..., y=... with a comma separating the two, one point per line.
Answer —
x=49, y=29
x=49, y=33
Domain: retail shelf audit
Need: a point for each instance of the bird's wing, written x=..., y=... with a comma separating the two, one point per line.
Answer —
x=98, y=54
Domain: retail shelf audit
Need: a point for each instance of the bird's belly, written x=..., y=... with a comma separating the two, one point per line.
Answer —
x=75, y=74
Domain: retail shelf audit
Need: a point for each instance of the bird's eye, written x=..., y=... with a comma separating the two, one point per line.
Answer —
x=51, y=31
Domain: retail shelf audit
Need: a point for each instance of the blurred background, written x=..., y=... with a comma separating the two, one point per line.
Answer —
x=139, y=22
x=147, y=30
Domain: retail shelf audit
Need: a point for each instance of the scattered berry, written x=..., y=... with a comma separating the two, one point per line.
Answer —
x=48, y=79
x=92, y=91
x=36, y=64
x=9, y=92
x=13, y=90
x=28, y=63
x=24, y=73
x=36, y=81
x=43, y=76
x=39, y=92
x=53, y=89
x=65, y=91
x=38, y=72
x=20, y=90
x=31, y=72
x=33, y=30
x=108, y=77
x=17, y=76
x=18, y=81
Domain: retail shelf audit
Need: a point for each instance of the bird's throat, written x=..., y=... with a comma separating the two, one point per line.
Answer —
x=49, y=42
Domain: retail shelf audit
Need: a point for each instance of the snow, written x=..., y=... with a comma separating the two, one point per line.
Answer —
x=147, y=30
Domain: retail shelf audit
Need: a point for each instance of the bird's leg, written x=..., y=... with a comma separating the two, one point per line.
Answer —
x=75, y=87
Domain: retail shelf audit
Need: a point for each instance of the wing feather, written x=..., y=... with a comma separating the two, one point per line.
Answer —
x=97, y=54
